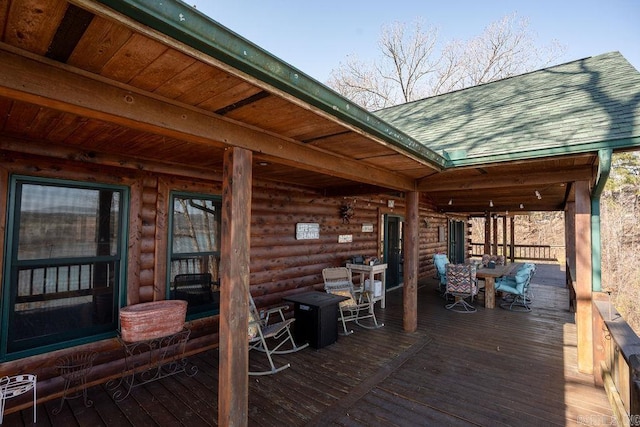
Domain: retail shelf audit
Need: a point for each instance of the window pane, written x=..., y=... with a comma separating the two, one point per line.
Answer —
x=58, y=300
x=65, y=263
x=195, y=258
x=196, y=225
x=65, y=222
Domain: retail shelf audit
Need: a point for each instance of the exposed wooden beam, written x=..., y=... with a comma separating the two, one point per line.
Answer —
x=29, y=78
x=449, y=182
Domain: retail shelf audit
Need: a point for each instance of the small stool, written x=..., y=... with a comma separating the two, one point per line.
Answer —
x=74, y=369
x=15, y=386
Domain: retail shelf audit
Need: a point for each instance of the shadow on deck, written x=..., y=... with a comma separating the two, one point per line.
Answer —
x=493, y=367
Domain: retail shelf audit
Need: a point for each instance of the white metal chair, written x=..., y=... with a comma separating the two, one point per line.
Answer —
x=359, y=305
x=15, y=386
x=262, y=327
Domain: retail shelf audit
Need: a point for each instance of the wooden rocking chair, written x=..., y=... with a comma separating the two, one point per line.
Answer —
x=358, y=306
x=263, y=327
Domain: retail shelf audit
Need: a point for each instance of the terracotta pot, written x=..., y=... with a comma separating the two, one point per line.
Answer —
x=150, y=320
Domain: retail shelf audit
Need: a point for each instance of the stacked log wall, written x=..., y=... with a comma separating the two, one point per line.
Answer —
x=280, y=264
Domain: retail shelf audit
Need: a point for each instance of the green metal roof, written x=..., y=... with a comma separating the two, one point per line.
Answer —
x=580, y=106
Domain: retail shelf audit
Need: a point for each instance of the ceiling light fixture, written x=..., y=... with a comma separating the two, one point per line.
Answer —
x=450, y=202
x=490, y=203
x=521, y=206
x=538, y=195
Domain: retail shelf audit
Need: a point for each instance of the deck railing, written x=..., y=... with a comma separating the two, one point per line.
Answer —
x=41, y=283
x=528, y=252
x=617, y=361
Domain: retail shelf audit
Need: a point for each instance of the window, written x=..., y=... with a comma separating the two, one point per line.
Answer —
x=63, y=264
x=195, y=252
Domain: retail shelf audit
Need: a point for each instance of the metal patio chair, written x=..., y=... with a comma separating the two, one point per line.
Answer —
x=439, y=262
x=461, y=284
x=359, y=305
x=271, y=327
x=517, y=290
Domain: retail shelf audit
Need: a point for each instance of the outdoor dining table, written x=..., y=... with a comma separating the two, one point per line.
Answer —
x=489, y=275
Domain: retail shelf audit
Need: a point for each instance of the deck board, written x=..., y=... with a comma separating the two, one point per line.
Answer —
x=493, y=367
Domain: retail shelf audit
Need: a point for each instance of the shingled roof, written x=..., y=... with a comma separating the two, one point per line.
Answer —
x=575, y=107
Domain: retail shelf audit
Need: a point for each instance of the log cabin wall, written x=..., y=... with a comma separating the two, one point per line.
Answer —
x=280, y=264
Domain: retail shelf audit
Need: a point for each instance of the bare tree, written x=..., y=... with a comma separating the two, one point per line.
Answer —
x=412, y=65
x=395, y=77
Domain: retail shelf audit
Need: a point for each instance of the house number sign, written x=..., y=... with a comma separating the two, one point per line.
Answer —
x=307, y=230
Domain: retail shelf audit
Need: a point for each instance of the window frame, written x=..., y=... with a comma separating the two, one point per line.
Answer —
x=11, y=266
x=198, y=311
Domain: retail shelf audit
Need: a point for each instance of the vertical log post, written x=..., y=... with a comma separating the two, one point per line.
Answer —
x=495, y=236
x=233, y=382
x=513, y=239
x=583, y=277
x=411, y=254
x=504, y=238
x=570, y=252
x=487, y=233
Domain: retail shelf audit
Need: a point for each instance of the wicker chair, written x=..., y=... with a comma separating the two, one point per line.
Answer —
x=461, y=284
x=359, y=305
x=262, y=330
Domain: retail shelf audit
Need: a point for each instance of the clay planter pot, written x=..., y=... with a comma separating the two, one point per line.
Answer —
x=150, y=320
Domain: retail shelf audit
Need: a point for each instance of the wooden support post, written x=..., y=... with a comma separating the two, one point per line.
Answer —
x=411, y=254
x=504, y=237
x=495, y=236
x=233, y=382
x=487, y=233
x=584, y=324
x=513, y=239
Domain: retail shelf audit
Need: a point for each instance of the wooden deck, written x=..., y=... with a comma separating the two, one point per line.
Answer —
x=493, y=367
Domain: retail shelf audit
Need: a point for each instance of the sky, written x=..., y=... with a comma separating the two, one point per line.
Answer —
x=315, y=36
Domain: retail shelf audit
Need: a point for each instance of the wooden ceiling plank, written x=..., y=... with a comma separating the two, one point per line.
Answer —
x=169, y=64
x=100, y=42
x=132, y=58
x=31, y=24
x=187, y=80
x=49, y=84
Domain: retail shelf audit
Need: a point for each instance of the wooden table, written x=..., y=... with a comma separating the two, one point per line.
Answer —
x=489, y=275
x=372, y=270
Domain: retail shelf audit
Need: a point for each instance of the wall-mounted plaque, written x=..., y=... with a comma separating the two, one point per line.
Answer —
x=307, y=230
x=345, y=238
x=367, y=227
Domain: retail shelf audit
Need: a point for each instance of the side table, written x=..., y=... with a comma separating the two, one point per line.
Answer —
x=371, y=271
x=316, y=317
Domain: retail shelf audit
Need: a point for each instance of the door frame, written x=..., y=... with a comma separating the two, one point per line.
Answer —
x=385, y=247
